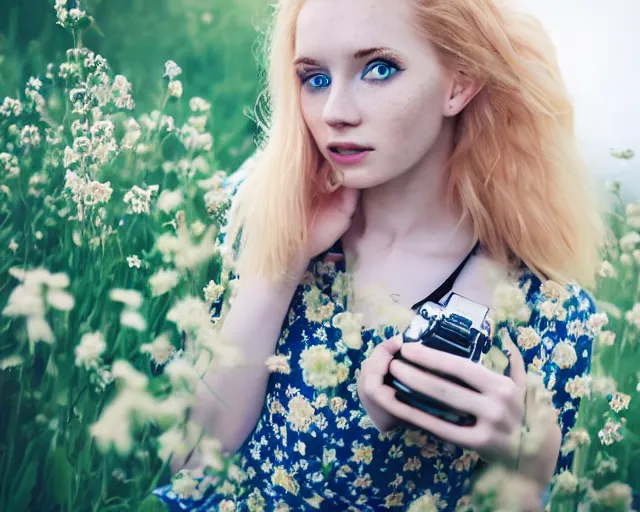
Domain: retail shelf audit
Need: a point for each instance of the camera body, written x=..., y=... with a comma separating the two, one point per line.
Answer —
x=460, y=327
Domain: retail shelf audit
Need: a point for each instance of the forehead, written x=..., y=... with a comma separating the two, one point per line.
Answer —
x=327, y=25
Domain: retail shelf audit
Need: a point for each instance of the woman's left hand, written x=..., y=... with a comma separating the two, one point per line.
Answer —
x=499, y=406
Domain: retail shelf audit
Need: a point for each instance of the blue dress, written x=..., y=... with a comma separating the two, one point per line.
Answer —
x=314, y=447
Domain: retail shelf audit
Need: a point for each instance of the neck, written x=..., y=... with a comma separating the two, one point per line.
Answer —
x=413, y=211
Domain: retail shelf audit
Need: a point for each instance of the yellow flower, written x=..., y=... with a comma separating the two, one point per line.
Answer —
x=413, y=464
x=555, y=291
x=578, y=386
x=300, y=414
x=319, y=367
x=351, y=326
x=361, y=453
x=363, y=482
x=426, y=503
x=564, y=355
x=285, y=480
x=318, y=309
x=553, y=310
x=337, y=404
x=227, y=506
x=414, y=438
x=528, y=338
x=315, y=500
x=395, y=499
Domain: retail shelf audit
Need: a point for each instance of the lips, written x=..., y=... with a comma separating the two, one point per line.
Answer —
x=347, y=148
x=348, y=153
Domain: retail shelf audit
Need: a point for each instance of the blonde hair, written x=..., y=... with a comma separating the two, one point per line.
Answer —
x=515, y=168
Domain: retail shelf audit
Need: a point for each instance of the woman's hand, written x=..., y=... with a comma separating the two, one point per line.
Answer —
x=498, y=406
x=332, y=219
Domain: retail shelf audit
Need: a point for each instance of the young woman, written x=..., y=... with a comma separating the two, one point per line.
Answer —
x=432, y=142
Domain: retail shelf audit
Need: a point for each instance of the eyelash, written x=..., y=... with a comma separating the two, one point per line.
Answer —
x=370, y=67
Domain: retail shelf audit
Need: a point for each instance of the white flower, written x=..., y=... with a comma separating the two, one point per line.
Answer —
x=189, y=313
x=198, y=122
x=10, y=164
x=121, y=93
x=169, y=200
x=11, y=107
x=163, y=281
x=160, y=350
x=39, y=330
x=607, y=270
x=633, y=316
x=629, y=241
x=197, y=104
x=29, y=136
x=13, y=245
x=213, y=291
x=181, y=372
x=131, y=377
x=186, y=487
x=566, y=482
x=138, y=199
x=168, y=443
x=89, y=350
x=133, y=319
x=131, y=298
x=133, y=261
x=171, y=69
x=175, y=88
x=197, y=228
x=510, y=304
x=25, y=301
x=60, y=300
x=11, y=362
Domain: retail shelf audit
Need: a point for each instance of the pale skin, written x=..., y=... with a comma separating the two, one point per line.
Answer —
x=392, y=214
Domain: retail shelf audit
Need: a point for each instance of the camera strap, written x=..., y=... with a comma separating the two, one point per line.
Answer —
x=447, y=286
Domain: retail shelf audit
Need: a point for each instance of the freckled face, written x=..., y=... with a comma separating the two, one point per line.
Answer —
x=390, y=99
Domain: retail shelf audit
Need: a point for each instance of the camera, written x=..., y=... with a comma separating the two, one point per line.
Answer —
x=460, y=327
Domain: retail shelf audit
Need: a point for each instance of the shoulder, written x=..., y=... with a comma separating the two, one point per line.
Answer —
x=560, y=332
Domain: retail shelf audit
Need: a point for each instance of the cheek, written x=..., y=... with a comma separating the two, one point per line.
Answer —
x=312, y=114
x=416, y=121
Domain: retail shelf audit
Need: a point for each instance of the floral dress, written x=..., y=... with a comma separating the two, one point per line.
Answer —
x=315, y=448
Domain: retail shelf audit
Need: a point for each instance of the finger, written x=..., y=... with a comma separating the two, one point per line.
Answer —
x=518, y=371
x=472, y=373
x=348, y=200
x=379, y=360
x=470, y=437
x=441, y=389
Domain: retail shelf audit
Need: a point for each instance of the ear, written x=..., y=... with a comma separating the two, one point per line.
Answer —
x=462, y=89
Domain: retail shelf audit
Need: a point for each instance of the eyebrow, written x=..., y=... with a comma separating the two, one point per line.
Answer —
x=360, y=54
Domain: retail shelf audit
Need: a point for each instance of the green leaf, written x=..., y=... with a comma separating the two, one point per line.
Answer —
x=61, y=473
x=22, y=495
x=152, y=504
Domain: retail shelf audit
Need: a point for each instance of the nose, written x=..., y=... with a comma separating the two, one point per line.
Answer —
x=341, y=108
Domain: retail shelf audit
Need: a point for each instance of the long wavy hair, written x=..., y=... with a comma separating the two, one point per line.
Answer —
x=516, y=168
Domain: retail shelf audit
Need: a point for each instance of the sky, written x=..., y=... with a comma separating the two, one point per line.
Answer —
x=598, y=45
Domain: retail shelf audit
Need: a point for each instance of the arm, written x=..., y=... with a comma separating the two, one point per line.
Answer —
x=229, y=400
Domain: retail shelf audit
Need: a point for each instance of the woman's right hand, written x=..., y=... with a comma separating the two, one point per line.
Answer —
x=332, y=219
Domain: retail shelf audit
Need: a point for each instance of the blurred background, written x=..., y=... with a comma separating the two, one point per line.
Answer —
x=216, y=43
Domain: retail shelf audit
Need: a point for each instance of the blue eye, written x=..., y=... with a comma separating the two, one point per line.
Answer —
x=385, y=70
x=317, y=81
